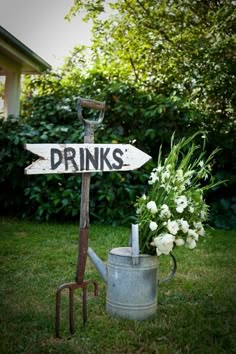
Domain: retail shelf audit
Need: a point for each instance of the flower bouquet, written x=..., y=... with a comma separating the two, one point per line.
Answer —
x=173, y=211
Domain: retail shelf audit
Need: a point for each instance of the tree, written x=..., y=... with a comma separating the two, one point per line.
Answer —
x=161, y=66
x=181, y=47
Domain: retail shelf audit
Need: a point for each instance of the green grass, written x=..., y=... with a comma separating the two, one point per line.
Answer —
x=196, y=311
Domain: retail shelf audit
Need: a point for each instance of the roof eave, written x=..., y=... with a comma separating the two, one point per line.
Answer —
x=23, y=49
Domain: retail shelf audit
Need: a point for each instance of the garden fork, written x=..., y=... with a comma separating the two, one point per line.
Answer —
x=84, y=225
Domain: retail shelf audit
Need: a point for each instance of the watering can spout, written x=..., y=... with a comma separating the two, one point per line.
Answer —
x=98, y=263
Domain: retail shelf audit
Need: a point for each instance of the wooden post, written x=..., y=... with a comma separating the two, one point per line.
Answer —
x=84, y=205
x=84, y=211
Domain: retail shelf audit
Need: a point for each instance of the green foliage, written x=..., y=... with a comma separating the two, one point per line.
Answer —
x=137, y=37
x=12, y=160
x=129, y=113
x=50, y=116
x=182, y=48
x=223, y=202
x=161, y=68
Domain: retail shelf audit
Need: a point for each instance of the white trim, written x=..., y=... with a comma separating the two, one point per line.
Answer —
x=12, y=94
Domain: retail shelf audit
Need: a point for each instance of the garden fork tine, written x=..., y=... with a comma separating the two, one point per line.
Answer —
x=72, y=287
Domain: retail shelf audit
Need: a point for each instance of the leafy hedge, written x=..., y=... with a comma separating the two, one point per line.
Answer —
x=148, y=118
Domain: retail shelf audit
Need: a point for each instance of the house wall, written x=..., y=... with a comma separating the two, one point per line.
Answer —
x=16, y=59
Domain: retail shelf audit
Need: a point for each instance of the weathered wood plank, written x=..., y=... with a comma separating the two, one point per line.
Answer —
x=82, y=158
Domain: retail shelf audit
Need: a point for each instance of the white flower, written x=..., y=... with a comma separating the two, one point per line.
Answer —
x=188, y=182
x=172, y=227
x=181, y=203
x=201, y=231
x=153, y=225
x=164, y=243
x=175, y=202
x=153, y=178
x=179, y=175
x=144, y=197
x=179, y=209
x=166, y=186
x=184, y=225
x=189, y=173
x=165, y=176
x=201, y=163
x=181, y=187
x=190, y=243
x=165, y=212
x=158, y=169
x=193, y=234
x=179, y=242
x=206, y=176
x=203, y=214
x=197, y=225
x=152, y=207
x=191, y=209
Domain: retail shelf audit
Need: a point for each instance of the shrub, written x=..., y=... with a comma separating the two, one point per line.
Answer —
x=49, y=116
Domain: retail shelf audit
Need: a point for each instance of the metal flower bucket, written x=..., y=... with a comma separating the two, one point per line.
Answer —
x=132, y=280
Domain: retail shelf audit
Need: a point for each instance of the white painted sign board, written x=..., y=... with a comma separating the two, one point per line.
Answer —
x=80, y=158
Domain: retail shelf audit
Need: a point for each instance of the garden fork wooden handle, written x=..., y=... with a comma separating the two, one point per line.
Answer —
x=88, y=103
x=85, y=102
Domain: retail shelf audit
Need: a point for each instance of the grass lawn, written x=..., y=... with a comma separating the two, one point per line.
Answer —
x=196, y=311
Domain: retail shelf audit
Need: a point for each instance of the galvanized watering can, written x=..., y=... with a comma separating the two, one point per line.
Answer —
x=132, y=280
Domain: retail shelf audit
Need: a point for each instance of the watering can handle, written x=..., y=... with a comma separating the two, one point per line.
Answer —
x=172, y=273
x=134, y=240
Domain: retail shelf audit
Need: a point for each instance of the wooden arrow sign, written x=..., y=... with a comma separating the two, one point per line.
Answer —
x=79, y=158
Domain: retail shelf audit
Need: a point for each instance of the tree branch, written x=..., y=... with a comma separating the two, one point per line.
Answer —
x=134, y=69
